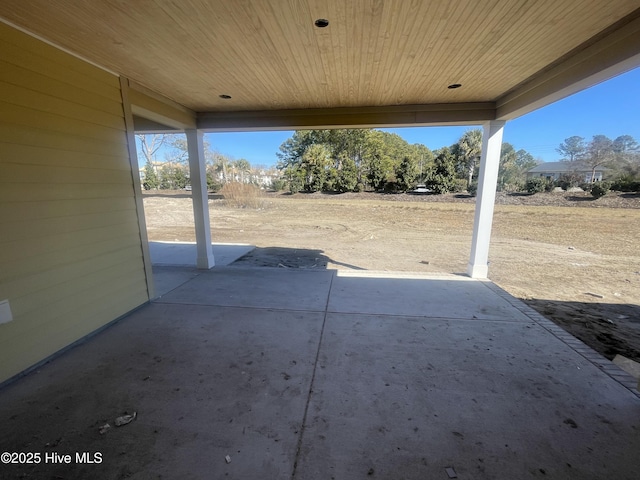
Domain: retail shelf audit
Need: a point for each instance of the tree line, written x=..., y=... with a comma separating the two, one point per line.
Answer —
x=348, y=160
x=620, y=157
x=367, y=159
x=353, y=160
x=172, y=173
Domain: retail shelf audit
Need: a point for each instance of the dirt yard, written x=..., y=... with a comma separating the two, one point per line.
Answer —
x=574, y=259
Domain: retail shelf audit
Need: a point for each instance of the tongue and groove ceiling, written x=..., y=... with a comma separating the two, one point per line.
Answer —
x=385, y=56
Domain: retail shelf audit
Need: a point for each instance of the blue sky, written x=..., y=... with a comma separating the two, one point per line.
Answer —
x=611, y=108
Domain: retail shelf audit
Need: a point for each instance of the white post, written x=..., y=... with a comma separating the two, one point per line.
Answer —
x=198, y=173
x=485, y=200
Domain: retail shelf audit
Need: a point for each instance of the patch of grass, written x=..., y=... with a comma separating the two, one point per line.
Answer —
x=242, y=195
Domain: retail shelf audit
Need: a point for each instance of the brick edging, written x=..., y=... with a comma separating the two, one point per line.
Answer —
x=604, y=364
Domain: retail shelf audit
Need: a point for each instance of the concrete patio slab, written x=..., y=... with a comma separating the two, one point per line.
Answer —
x=404, y=397
x=450, y=296
x=205, y=383
x=313, y=375
x=257, y=287
x=183, y=254
x=166, y=279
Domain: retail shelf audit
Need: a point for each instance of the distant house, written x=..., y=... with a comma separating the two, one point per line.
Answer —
x=555, y=170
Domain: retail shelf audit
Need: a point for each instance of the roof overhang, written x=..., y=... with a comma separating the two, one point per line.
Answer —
x=385, y=63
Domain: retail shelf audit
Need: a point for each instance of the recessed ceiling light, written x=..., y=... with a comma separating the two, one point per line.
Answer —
x=321, y=23
x=454, y=85
x=225, y=97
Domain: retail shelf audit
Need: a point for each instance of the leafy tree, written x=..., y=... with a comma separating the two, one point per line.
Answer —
x=625, y=145
x=180, y=177
x=423, y=158
x=512, y=172
x=371, y=156
x=295, y=180
x=384, y=150
x=508, y=170
x=407, y=173
x=525, y=161
x=626, y=153
x=315, y=162
x=165, y=178
x=599, y=153
x=572, y=149
x=173, y=177
x=347, y=177
x=212, y=181
x=349, y=143
x=442, y=177
x=378, y=171
x=151, y=181
x=293, y=148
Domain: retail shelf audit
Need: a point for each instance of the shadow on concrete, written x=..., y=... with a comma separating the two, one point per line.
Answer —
x=608, y=328
x=283, y=257
x=174, y=263
x=183, y=254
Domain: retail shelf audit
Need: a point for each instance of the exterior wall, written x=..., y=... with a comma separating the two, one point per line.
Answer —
x=70, y=249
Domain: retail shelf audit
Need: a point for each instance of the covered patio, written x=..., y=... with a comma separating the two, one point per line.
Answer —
x=268, y=373
x=327, y=374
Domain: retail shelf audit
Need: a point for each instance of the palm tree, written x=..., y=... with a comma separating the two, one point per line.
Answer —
x=243, y=166
x=220, y=165
x=469, y=149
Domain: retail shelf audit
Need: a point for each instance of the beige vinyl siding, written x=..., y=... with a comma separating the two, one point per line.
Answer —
x=70, y=253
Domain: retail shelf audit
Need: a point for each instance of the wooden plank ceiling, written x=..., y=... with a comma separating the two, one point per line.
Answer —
x=269, y=55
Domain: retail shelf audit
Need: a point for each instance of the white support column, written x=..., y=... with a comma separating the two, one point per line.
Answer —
x=198, y=173
x=485, y=200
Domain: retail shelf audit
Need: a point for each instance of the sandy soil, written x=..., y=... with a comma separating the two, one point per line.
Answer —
x=574, y=259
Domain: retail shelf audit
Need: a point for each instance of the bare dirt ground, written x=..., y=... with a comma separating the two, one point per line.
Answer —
x=574, y=259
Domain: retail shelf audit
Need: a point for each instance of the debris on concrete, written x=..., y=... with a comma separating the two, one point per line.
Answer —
x=104, y=428
x=451, y=472
x=597, y=295
x=425, y=262
x=125, y=419
x=54, y=443
x=371, y=471
x=571, y=422
x=572, y=248
x=227, y=459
